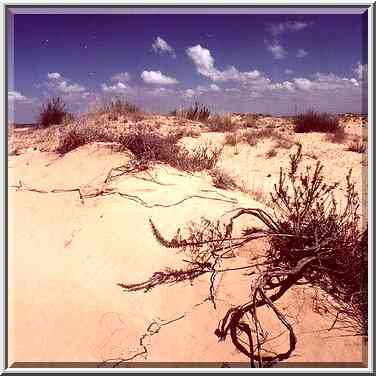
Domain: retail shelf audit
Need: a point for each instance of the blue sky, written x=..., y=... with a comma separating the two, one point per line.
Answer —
x=237, y=63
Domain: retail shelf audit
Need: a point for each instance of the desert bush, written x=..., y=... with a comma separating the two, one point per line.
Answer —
x=222, y=179
x=338, y=136
x=147, y=144
x=312, y=121
x=118, y=107
x=312, y=242
x=76, y=136
x=282, y=142
x=202, y=157
x=231, y=139
x=52, y=112
x=252, y=137
x=196, y=112
x=221, y=123
x=271, y=153
x=357, y=147
x=250, y=121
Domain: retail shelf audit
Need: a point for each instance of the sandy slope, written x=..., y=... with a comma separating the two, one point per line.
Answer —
x=66, y=257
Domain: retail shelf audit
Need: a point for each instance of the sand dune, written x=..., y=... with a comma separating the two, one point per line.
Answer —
x=66, y=256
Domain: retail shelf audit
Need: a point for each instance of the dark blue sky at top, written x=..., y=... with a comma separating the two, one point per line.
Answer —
x=90, y=49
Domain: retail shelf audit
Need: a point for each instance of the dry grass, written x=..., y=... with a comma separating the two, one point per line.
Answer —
x=271, y=153
x=250, y=121
x=338, y=136
x=357, y=147
x=312, y=121
x=80, y=133
x=231, y=139
x=197, y=112
x=148, y=145
x=222, y=179
x=221, y=123
x=52, y=112
x=252, y=137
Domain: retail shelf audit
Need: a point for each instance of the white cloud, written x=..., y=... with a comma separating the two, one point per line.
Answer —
x=54, y=76
x=279, y=28
x=61, y=85
x=189, y=93
x=301, y=52
x=117, y=88
x=361, y=72
x=15, y=96
x=289, y=71
x=66, y=88
x=162, y=91
x=121, y=77
x=303, y=84
x=205, y=65
x=160, y=46
x=276, y=49
x=157, y=78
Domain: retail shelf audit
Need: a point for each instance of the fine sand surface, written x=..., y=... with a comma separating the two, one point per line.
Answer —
x=66, y=256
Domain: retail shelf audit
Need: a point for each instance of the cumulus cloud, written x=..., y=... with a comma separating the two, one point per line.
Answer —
x=205, y=65
x=160, y=46
x=59, y=84
x=201, y=89
x=66, y=88
x=361, y=71
x=54, y=76
x=15, y=96
x=121, y=77
x=290, y=26
x=157, y=78
x=276, y=49
x=301, y=53
x=117, y=88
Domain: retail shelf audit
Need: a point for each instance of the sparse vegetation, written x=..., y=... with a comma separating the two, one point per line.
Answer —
x=252, y=137
x=312, y=243
x=52, y=112
x=118, y=107
x=250, y=121
x=357, y=147
x=81, y=133
x=221, y=123
x=149, y=145
x=231, y=139
x=222, y=179
x=196, y=112
x=338, y=136
x=271, y=153
x=312, y=121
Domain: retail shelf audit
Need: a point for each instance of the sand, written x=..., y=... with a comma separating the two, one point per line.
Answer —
x=66, y=256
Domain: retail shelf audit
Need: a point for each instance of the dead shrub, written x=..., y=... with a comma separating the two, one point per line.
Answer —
x=312, y=242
